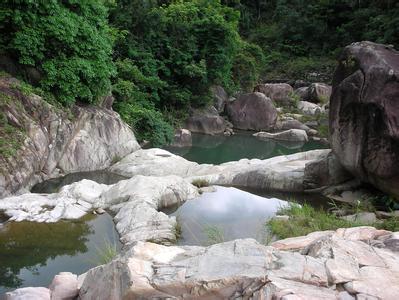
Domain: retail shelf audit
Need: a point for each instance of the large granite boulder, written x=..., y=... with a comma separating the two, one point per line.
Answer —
x=324, y=172
x=252, y=111
x=206, y=121
x=56, y=142
x=281, y=93
x=364, y=110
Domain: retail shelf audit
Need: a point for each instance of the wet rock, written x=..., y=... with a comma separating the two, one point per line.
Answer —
x=364, y=126
x=292, y=135
x=182, y=138
x=64, y=286
x=206, y=121
x=280, y=93
x=252, y=111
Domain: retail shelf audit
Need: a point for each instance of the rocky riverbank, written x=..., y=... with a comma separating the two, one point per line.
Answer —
x=54, y=142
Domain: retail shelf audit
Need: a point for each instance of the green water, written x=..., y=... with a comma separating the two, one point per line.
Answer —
x=218, y=149
x=31, y=254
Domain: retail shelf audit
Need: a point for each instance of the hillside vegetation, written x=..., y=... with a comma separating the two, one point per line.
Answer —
x=159, y=58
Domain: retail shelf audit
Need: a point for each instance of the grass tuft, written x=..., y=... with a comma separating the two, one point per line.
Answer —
x=107, y=253
x=199, y=183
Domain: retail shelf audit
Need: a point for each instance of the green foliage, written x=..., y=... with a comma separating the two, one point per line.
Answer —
x=305, y=219
x=147, y=123
x=69, y=42
x=106, y=253
x=215, y=235
x=12, y=137
x=177, y=50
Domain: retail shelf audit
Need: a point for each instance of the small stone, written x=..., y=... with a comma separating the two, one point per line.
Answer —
x=281, y=217
x=100, y=211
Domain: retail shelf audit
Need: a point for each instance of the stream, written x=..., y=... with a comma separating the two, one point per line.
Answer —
x=32, y=253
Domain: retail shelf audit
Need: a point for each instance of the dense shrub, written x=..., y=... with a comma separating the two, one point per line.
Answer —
x=69, y=42
x=147, y=123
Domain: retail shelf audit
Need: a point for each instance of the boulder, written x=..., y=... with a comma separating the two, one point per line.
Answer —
x=368, y=218
x=57, y=142
x=309, y=108
x=220, y=97
x=182, y=138
x=206, y=121
x=318, y=93
x=280, y=93
x=252, y=111
x=364, y=109
x=292, y=135
x=64, y=286
x=325, y=172
x=302, y=93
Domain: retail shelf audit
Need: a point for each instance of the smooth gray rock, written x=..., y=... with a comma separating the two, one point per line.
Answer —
x=206, y=121
x=291, y=135
x=281, y=93
x=220, y=97
x=252, y=111
x=281, y=173
x=309, y=108
x=182, y=138
x=57, y=143
x=325, y=172
x=364, y=125
x=28, y=293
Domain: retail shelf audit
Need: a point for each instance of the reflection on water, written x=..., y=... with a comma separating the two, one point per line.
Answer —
x=32, y=253
x=54, y=185
x=218, y=149
x=228, y=212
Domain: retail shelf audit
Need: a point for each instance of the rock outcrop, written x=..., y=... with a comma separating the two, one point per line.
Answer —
x=323, y=265
x=220, y=97
x=364, y=110
x=252, y=111
x=55, y=142
x=280, y=173
x=281, y=93
x=324, y=172
x=206, y=121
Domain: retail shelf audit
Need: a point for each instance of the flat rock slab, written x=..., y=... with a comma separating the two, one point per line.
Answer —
x=245, y=269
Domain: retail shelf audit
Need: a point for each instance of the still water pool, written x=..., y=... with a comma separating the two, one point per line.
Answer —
x=218, y=149
x=224, y=215
x=31, y=254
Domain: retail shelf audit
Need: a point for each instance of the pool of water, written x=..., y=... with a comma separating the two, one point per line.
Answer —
x=224, y=215
x=54, y=185
x=218, y=149
x=31, y=254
